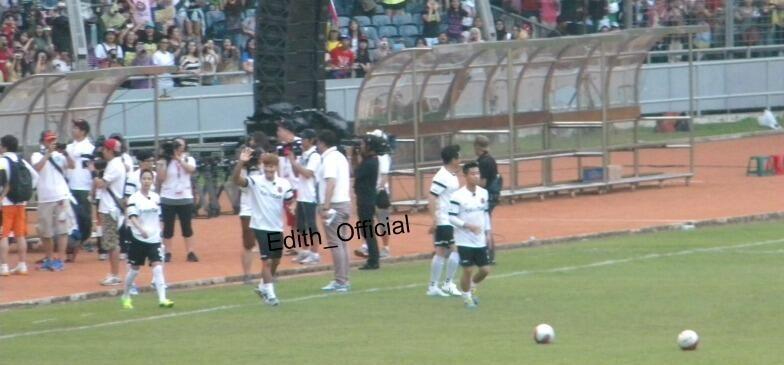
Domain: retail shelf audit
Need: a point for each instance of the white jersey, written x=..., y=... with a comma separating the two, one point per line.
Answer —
x=79, y=177
x=52, y=186
x=148, y=210
x=178, y=181
x=306, y=188
x=245, y=210
x=266, y=202
x=444, y=184
x=469, y=207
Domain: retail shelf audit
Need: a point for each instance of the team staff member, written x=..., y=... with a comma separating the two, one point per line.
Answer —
x=259, y=142
x=305, y=168
x=365, y=180
x=468, y=213
x=444, y=184
x=80, y=159
x=489, y=180
x=177, y=197
x=144, y=210
x=335, y=199
x=110, y=188
x=268, y=194
x=382, y=214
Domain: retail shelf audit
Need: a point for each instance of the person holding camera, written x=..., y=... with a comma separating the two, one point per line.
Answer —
x=80, y=181
x=269, y=196
x=334, y=185
x=174, y=176
x=54, y=214
x=305, y=166
x=110, y=185
x=109, y=53
x=365, y=180
x=288, y=144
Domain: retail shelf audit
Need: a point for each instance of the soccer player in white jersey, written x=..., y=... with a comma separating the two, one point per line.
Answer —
x=444, y=184
x=268, y=193
x=468, y=213
x=144, y=215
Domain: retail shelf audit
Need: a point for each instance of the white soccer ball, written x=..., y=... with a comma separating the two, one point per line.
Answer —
x=544, y=334
x=688, y=340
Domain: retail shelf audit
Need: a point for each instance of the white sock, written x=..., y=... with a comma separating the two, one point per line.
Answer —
x=130, y=277
x=262, y=287
x=451, y=266
x=467, y=294
x=270, y=289
x=436, y=266
x=160, y=283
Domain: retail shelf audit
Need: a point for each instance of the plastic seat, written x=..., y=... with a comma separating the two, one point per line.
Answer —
x=408, y=31
x=370, y=32
x=343, y=21
x=402, y=19
x=379, y=20
x=387, y=31
x=363, y=21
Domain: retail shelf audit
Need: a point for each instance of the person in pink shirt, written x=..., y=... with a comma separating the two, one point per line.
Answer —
x=550, y=9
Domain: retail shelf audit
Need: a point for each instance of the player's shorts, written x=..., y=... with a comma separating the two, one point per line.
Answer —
x=139, y=252
x=267, y=249
x=473, y=256
x=445, y=236
x=382, y=215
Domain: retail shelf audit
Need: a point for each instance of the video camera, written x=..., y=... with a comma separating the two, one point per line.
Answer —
x=291, y=147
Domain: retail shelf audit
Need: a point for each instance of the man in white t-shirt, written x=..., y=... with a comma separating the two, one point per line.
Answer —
x=162, y=57
x=469, y=214
x=109, y=190
x=14, y=214
x=54, y=221
x=80, y=180
x=305, y=167
x=269, y=196
x=444, y=183
x=287, y=142
x=333, y=179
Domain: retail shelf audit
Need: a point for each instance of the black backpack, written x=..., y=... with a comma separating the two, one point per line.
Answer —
x=20, y=182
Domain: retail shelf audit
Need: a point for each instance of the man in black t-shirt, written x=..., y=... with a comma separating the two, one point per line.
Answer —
x=365, y=179
x=489, y=179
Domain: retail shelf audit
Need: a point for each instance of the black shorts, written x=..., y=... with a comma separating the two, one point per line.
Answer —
x=267, y=249
x=139, y=251
x=473, y=256
x=445, y=236
x=306, y=217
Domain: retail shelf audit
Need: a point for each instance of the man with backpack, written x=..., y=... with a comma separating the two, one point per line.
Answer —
x=17, y=179
x=491, y=180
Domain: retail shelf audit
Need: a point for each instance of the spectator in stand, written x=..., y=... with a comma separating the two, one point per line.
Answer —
x=454, y=21
x=112, y=18
x=109, y=53
x=468, y=20
x=431, y=22
x=333, y=40
x=163, y=57
x=383, y=50
x=363, y=61
x=61, y=31
x=550, y=10
x=142, y=59
x=42, y=63
x=14, y=211
x=777, y=19
x=150, y=38
x=233, y=11
x=176, y=43
x=42, y=38
x=747, y=16
x=474, y=36
x=210, y=62
x=342, y=60
x=15, y=68
x=229, y=62
x=355, y=34
x=249, y=25
x=525, y=32
x=6, y=56
x=9, y=26
x=529, y=8
x=129, y=47
x=190, y=64
x=500, y=31
x=420, y=43
x=61, y=62
x=248, y=55
x=394, y=7
x=443, y=38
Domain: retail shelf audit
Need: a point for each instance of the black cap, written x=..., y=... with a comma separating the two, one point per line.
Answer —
x=308, y=134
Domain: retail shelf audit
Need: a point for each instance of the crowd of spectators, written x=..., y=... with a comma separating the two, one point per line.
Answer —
x=203, y=37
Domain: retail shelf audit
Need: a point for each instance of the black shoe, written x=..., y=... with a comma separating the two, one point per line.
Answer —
x=192, y=257
x=167, y=257
x=369, y=267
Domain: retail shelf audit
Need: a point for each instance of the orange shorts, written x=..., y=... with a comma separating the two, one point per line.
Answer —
x=14, y=220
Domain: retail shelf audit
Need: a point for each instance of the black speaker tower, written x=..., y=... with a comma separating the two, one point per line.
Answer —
x=289, y=60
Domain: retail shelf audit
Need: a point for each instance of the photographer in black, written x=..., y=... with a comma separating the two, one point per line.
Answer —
x=175, y=168
x=365, y=165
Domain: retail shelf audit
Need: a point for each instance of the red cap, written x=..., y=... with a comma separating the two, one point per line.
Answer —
x=49, y=136
x=112, y=144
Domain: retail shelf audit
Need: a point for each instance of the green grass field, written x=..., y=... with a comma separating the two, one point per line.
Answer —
x=614, y=301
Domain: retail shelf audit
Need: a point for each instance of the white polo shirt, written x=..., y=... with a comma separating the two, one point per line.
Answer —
x=306, y=187
x=266, y=202
x=178, y=181
x=469, y=207
x=384, y=165
x=114, y=175
x=52, y=186
x=444, y=184
x=334, y=166
x=80, y=178
x=148, y=211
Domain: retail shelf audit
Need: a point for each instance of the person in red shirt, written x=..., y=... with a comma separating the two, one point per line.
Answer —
x=9, y=27
x=342, y=59
x=5, y=55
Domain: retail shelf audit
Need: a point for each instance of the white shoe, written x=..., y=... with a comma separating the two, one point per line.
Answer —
x=272, y=301
x=4, y=270
x=332, y=286
x=343, y=288
x=301, y=256
x=20, y=269
x=111, y=280
x=451, y=289
x=385, y=253
x=312, y=259
x=364, y=249
x=434, y=291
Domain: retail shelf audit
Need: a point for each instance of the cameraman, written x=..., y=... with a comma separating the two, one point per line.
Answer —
x=110, y=185
x=174, y=176
x=305, y=167
x=288, y=143
x=260, y=143
x=80, y=158
x=365, y=180
x=54, y=221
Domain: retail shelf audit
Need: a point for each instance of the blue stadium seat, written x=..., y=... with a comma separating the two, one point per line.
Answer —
x=408, y=30
x=402, y=19
x=379, y=20
x=343, y=30
x=442, y=28
x=362, y=20
x=409, y=41
x=370, y=32
x=343, y=21
x=387, y=31
x=379, y=10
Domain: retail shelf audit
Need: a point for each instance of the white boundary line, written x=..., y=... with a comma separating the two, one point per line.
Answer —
x=652, y=256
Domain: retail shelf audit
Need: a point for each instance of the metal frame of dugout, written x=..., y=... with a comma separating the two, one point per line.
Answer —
x=429, y=96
